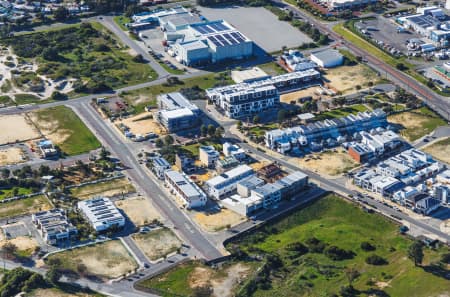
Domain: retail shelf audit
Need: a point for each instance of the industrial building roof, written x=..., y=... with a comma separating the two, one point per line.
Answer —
x=193, y=45
x=327, y=56
x=423, y=21
x=176, y=100
x=247, y=75
x=100, y=211
x=219, y=33
x=176, y=113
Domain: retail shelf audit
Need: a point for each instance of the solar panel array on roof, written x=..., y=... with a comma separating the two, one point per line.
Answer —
x=214, y=40
x=238, y=36
x=218, y=27
x=230, y=39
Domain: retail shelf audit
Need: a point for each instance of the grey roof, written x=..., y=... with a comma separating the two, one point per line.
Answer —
x=183, y=184
x=267, y=189
x=327, y=55
x=161, y=162
x=251, y=182
x=176, y=100
x=181, y=20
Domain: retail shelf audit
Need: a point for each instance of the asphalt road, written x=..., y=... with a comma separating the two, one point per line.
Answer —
x=109, y=137
x=439, y=103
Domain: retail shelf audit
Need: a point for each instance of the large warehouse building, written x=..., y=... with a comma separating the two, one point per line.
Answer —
x=208, y=42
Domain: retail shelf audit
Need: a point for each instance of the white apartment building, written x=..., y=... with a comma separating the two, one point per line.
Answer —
x=102, y=214
x=183, y=188
x=208, y=155
x=225, y=184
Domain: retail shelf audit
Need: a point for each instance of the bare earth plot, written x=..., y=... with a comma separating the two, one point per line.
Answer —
x=57, y=293
x=107, y=189
x=440, y=150
x=157, y=243
x=346, y=78
x=24, y=206
x=12, y=155
x=329, y=163
x=294, y=96
x=216, y=221
x=25, y=245
x=109, y=259
x=139, y=210
x=142, y=124
x=260, y=25
x=16, y=128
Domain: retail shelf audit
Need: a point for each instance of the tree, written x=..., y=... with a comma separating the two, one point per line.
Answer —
x=53, y=275
x=366, y=246
x=81, y=269
x=218, y=133
x=239, y=125
x=203, y=130
x=211, y=130
x=9, y=249
x=430, y=83
x=445, y=258
x=168, y=140
x=61, y=14
x=401, y=66
x=5, y=172
x=104, y=153
x=415, y=252
x=202, y=291
x=358, y=87
x=256, y=119
x=376, y=260
x=138, y=59
x=159, y=143
x=58, y=96
x=351, y=274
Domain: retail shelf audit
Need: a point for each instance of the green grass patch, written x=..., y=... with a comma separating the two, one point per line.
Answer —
x=272, y=68
x=341, y=112
x=24, y=206
x=336, y=222
x=26, y=99
x=6, y=100
x=122, y=21
x=260, y=130
x=8, y=193
x=74, y=137
x=193, y=149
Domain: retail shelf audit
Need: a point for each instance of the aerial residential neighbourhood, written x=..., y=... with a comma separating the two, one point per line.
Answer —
x=236, y=148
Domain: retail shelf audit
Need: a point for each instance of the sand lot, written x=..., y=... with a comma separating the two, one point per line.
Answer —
x=23, y=243
x=213, y=222
x=329, y=163
x=12, y=155
x=142, y=124
x=294, y=96
x=16, y=128
x=56, y=293
x=157, y=243
x=139, y=210
x=106, y=189
x=109, y=259
x=221, y=284
x=50, y=129
x=439, y=150
x=346, y=78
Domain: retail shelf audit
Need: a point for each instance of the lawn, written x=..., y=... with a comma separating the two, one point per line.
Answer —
x=26, y=99
x=333, y=221
x=157, y=243
x=261, y=129
x=88, y=52
x=147, y=96
x=416, y=123
x=61, y=125
x=106, y=189
x=193, y=149
x=24, y=206
x=107, y=260
x=272, y=68
x=8, y=193
x=341, y=112
x=5, y=101
x=121, y=21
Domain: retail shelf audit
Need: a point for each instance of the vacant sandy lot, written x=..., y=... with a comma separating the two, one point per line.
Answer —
x=23, y=243
x=157, y=243
x=139, y=210
x=106, y=189
x=222, y=284
x=109, y=259
x=56, y=293
x=16, y=128
x=294, y=96
x=50, y=129
x=440, y=150
x=346, y=78
x=143, y=124
x=12, y=155
x=213, y=222
x=329, y=163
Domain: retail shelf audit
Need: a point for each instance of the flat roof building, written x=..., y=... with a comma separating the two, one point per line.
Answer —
x=101, y=213
x=160, y=165
x=248, y=75
x=208, y=155
x=188, y=192
x=177, y=113
x=327, y=58
x=225, y=184
x=54, y=226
